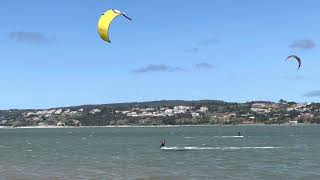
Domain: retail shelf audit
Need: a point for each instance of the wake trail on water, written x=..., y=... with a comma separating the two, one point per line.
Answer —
x=217, y=148
x=189, y=137
x=228, y=136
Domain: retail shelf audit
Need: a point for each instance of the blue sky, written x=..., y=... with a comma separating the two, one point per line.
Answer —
x=232, y=50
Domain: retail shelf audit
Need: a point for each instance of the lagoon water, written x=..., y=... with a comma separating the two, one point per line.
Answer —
x=210, y=152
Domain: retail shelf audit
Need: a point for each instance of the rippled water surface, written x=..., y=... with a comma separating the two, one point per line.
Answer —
x=213, y=152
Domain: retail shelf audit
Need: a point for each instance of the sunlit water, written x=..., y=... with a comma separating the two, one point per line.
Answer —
x=215, y=152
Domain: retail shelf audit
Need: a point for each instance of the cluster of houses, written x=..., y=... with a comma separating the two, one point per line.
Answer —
x=39, y=116
x=263, y=108
x=163, y=111
x=56, y=112
x=303, y=110
x=269, y=107
x=50, y=112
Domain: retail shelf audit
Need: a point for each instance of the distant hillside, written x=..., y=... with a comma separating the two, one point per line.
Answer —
x=166, y=112
x=153, y=103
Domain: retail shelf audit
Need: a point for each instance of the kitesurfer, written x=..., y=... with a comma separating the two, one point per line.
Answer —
x=239, y=134
x=163, y=143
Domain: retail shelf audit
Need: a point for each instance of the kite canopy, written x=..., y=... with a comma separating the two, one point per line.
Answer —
x=296, y=58
x=105, y=21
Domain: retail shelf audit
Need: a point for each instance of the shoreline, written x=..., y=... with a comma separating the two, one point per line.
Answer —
x=149, y=126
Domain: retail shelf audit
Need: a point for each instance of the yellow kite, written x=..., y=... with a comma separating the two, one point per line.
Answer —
x=105, y=21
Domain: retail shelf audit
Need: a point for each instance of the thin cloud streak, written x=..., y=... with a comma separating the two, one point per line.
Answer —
x=314, y=93
x=204, y=65
x=304, y=44
x=157, y=68
x=201, y=44
x=29, y=37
